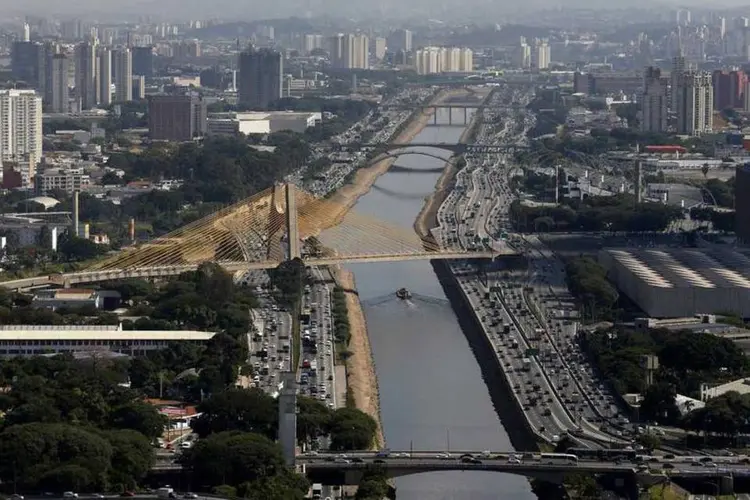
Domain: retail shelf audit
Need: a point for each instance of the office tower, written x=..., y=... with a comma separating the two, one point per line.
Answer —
x=729, y=89
x=695, y=96
x=122, y=63
x=143, y=61
x=379, y=48
x=540, y=55
x=138, y=87
x=85, y=79
x=261, y=77
x=176, y=117
x=57, y=93
x=21, y=130
x=400, y=40
x=27, y=62
x=523, y=56
x=678, y=66
x=26, y=32
x=104, y=77
x=654, y=101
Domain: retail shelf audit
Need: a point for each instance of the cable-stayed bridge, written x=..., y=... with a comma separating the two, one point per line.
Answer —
x=260, y=232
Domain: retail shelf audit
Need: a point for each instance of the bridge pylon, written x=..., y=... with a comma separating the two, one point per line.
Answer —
x=292, y=227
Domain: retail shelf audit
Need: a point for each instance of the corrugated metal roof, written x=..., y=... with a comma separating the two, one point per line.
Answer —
x=105, y=335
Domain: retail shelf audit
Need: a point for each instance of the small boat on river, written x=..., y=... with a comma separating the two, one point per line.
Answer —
x=403, y=294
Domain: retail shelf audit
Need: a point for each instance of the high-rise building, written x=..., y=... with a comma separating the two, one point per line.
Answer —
x=26, y=35
x=678, y=66
x=104, y=76
x=57, y=91
x=176, y=117
x=143, y=61
x=430, y=60
x=27, y=62
x=523, y=56
x=400, y=40
x=349, y=51
x=540, y=54
x=86, y=73
x=695, y=96
x=261, y=77
x=654, y=101
x=312, y=42
x=21, y=130
x=122, y=62
x=379, y=47
x=139, y=87
x=729, y=89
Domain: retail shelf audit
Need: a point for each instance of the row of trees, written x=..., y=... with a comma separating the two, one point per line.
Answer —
x=340, y=313
x=595, y=213
x=588, y=282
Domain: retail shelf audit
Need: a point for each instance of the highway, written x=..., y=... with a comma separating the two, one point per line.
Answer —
x=553, y=393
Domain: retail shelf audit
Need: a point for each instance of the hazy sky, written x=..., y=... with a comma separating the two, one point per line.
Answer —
x=265, y=9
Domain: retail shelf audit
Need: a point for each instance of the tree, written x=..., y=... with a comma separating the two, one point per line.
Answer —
x=35, y=455
x=649, y=441
x=140, y=417
x=132, y=457
x=373, y=486
x=352, y=429
x=233, y=458
x=313, y=419
x=247, y=410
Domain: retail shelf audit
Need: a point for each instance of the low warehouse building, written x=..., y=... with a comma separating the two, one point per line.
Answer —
x=673, y=283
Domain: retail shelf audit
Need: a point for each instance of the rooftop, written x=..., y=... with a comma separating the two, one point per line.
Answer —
x=53, y=333
x=706, y=268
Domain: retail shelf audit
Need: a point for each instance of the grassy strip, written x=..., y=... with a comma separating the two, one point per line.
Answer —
x=296, y=340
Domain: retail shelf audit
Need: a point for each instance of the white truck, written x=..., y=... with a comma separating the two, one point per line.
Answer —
x=165, y=492
x=526, y=364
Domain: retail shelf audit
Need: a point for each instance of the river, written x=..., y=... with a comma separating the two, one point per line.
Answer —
x=432, y=393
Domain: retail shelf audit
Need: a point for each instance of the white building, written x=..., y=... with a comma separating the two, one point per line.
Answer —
x=523, y=55
x=29, y=340
x=20, y=125
x=540, y=55
x=67, y=180
x=695, y=103
x=654, y=102
x=431, y=60
x=260, y=122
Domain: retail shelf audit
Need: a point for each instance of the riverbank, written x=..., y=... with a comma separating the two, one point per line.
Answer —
x=364, y=178
x=361, y=377
x=427, y=218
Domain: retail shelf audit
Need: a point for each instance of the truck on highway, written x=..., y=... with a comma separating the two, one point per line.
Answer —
x=165, y=492
x=526, y=364
x=317, y=490
x=314, y=365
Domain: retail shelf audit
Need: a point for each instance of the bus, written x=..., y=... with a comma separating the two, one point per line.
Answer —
x=559, y=459
x=604, y=455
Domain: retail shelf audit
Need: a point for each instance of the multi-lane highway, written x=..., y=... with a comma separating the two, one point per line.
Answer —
x=558, y=395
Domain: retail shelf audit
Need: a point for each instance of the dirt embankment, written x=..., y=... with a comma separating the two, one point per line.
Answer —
x=361, y=378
